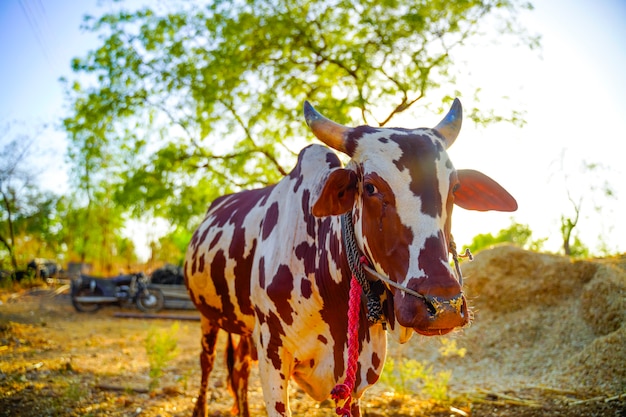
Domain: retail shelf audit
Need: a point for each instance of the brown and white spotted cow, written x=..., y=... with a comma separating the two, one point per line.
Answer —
x=269, y=264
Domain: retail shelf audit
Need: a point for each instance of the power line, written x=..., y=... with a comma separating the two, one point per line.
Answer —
x=36, y=17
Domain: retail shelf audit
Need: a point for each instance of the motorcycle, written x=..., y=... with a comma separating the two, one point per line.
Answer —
x=89, y=294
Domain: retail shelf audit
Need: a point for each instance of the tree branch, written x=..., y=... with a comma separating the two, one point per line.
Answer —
x=251, y=140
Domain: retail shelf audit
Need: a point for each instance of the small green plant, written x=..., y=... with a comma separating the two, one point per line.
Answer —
x=450, y=348
x=436, y=384
x=183, y=379
x=74, y=392
x=69, y=393
x=161, y=347
x=408, y=376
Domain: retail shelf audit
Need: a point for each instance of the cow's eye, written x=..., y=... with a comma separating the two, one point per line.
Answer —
x=455, y=188
x=370, y=189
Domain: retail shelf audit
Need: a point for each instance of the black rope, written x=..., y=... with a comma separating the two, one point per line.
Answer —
x=374, y=306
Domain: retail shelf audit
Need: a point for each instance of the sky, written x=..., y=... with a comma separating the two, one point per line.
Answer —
x=572, y=92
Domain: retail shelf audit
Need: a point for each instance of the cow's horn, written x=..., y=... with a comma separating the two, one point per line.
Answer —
x=329, y=132
x=450, y=126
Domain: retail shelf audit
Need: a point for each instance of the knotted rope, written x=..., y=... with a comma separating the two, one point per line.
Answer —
x=342, y=393
x=356, y=262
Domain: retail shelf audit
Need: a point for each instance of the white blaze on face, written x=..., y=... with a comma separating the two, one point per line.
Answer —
x=377, y=154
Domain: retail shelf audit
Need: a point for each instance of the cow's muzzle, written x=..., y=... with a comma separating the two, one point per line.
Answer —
x=444, y=315
x=432, y=315
x=426, y=314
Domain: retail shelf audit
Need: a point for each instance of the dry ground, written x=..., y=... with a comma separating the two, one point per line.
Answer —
x=548, y=340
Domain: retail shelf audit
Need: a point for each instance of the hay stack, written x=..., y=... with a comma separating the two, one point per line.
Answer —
x=506, y=279
x=539, y=319
x=547, y=319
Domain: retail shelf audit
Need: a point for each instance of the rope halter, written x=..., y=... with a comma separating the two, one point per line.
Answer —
x=342, y=393
x=359, y=263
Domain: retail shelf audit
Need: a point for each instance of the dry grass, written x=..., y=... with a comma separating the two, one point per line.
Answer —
x=548, y=340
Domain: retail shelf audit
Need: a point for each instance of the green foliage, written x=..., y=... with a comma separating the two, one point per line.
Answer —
x=161, y=348
x=176, y=107
x=93, y=233
x=517, y=234
x=172, y=247
x=184, y=105
x=577, y=249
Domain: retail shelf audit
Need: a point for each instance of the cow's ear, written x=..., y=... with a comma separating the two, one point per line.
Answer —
x=337, y=195
x=477, y=191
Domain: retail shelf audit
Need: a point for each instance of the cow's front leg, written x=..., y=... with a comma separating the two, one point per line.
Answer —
x=275, y=364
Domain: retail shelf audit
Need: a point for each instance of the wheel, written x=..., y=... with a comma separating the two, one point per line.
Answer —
x=86, y=307
x=151, y=300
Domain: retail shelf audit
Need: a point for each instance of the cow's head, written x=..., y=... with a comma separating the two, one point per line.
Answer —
x=400, y=186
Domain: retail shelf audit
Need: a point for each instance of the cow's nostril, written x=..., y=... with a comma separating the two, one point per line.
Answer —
x=432, y=310
x=437, y=306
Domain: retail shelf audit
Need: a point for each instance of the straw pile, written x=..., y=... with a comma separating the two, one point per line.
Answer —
x=540, y=320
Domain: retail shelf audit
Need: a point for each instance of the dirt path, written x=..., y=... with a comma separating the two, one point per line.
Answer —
x=54, y=361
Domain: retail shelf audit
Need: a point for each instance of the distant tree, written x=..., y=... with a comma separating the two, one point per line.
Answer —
x=577, y=249
x=25, y=210
x=170, y=249
x=517, y=234
x=595, y=190
x=568, y=223
x=179, y=106
x=92, y=233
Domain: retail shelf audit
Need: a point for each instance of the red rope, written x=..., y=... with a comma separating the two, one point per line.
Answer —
x=342, y=392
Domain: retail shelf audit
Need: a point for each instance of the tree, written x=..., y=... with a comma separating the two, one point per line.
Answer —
x=595, y=189
x=517, y=234
x=569, y=223
x=26, y=211
x=171, y=248
x=92, y=233
x=189, y=103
